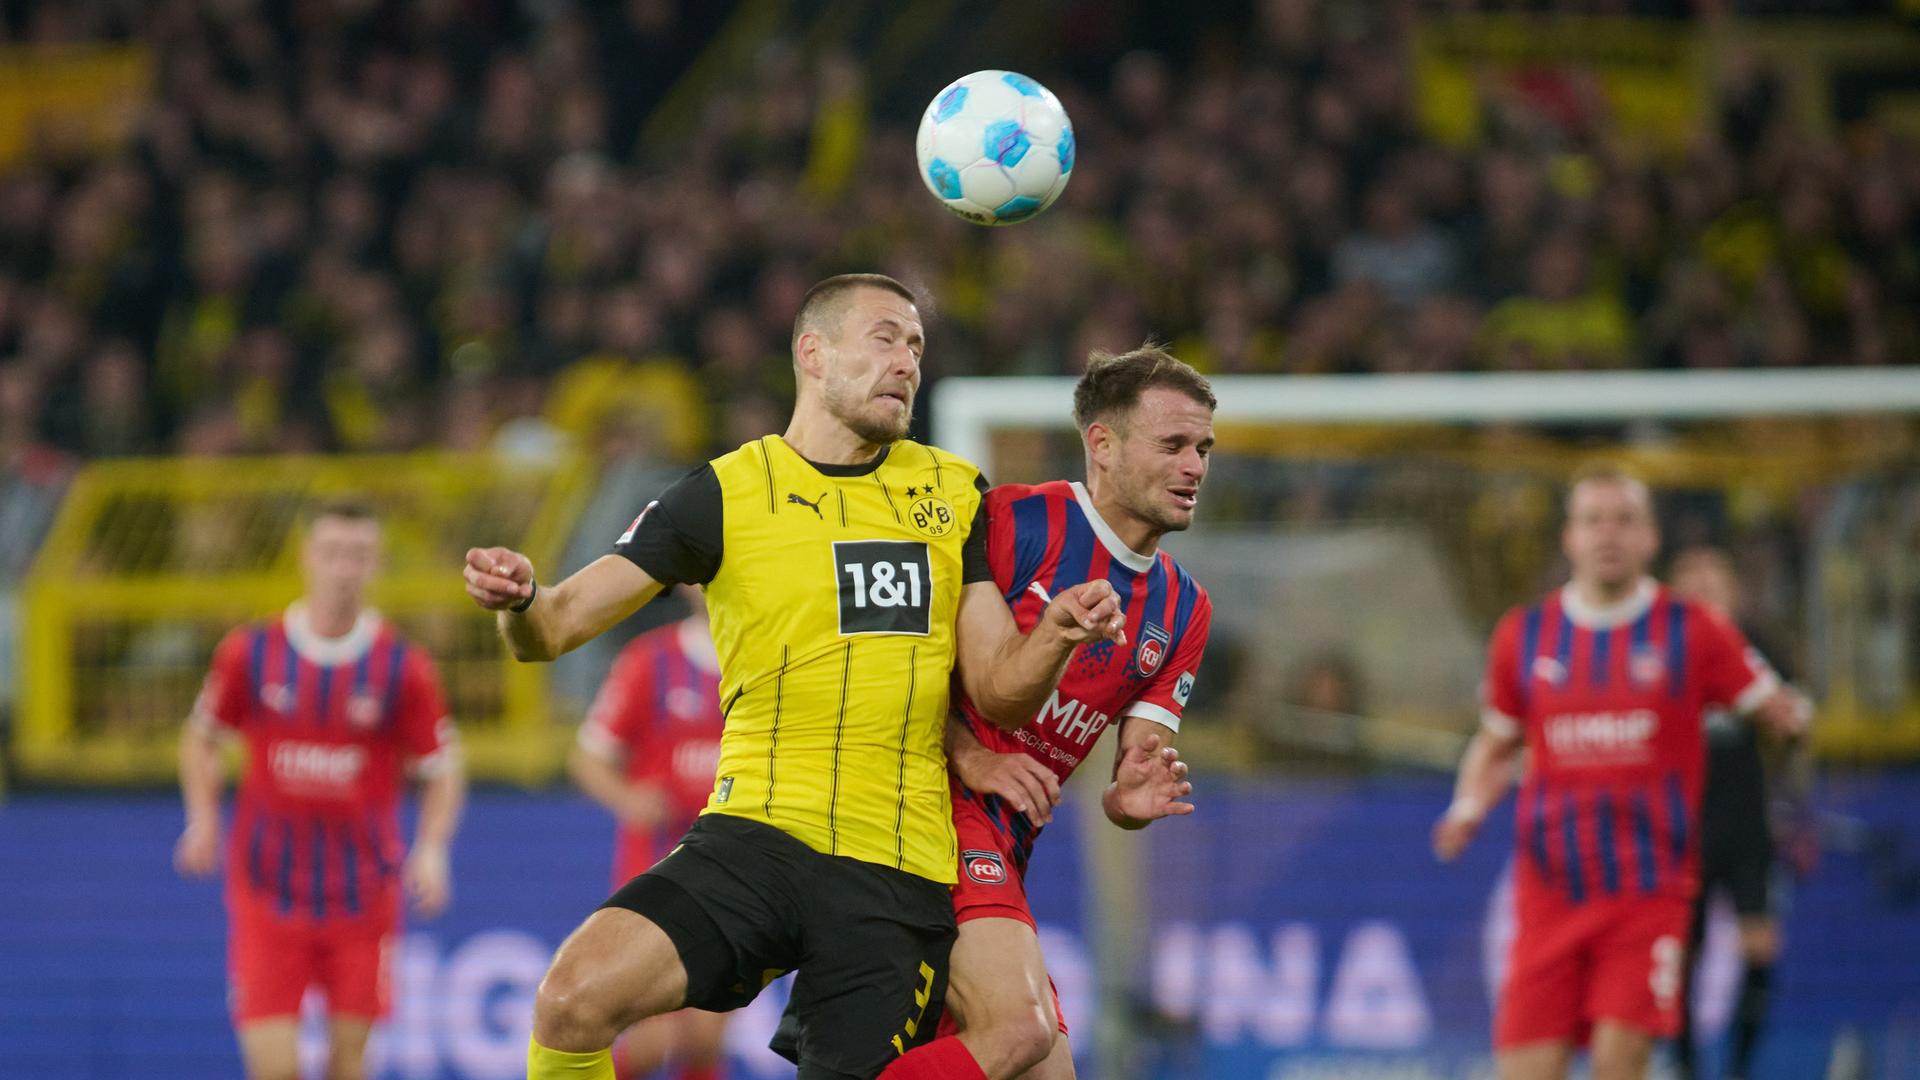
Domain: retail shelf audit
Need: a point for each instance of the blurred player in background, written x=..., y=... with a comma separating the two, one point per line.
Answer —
x=1736, y=830
x=1605, y=682
x=647, y=752
x=847, y=584
x=336, y=709
x=1147, y=422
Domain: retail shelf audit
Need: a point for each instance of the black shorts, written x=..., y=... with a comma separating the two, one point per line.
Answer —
x=1741, y=862
x=744, y=903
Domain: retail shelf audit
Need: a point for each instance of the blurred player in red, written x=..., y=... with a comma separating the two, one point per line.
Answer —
x=335, y=710
x=1736, y=830
x=647, y=752
x=1605, y=682
x=1147, y=423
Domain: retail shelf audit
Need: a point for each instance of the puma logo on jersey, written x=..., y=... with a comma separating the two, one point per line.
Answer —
x=813, y=506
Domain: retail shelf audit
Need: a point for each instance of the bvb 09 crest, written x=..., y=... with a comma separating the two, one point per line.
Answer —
x=932, y=515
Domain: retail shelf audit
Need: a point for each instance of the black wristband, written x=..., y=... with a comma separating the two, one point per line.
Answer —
x=533, y=590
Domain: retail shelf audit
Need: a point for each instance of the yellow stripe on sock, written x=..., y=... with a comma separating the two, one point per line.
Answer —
x=545, y=1064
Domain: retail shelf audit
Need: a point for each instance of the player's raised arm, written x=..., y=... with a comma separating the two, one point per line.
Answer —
x=541, y=622
x=1008, y=675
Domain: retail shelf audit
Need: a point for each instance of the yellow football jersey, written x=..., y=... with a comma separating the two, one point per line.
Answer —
x=832, y=592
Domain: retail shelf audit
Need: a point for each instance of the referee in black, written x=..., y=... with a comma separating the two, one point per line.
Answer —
x=1736, y=840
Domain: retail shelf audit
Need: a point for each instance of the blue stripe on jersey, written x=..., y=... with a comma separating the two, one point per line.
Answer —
x=350, y=869
x=376, y=849
x=362, y=669
x=1076, y=554
x=1156, y=604
x=1563, y=648
x=395, y=660
x=1542, y=861
x=1529, y=646
x=1677, y=815
x=256, y=668
x=319, y=880
x=1602, y=655
x=1643, y=842
x=662, y=676
x=1676, y=648
x=290, y=674
x=1186, y=601
x=1570, y=833
x=325, y=697
x=256, y=854
x=1603, y=836
x=1642, y=631
x=286, y=866
x=1029, y=543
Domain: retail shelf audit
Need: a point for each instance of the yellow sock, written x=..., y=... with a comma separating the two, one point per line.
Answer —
x=545, y=1064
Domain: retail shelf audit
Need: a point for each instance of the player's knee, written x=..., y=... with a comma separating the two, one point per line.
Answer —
x=567, y=1015
x=1760, y=943
x=346, y=1067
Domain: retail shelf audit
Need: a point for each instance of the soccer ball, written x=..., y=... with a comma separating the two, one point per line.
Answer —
x=995, y=147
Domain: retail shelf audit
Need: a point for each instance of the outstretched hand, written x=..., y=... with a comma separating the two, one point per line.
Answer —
x=1150, y=783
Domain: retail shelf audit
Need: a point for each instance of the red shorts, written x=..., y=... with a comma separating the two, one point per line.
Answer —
x=272, y=961
x=1574, y=966
x=989, y=887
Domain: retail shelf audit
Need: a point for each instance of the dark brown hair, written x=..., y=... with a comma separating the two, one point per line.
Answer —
x=1113, y=384
x=826, y=303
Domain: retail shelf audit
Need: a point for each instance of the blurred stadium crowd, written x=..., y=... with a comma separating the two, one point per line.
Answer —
x=376, y=225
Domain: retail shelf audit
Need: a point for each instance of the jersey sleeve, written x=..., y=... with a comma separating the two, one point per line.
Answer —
x=1501, y=708
x=676, y=539
x=1164, y=698
x=614, y=722
x=1732, y=672
x=422, y=727
x=222, y=703
x=974, y=565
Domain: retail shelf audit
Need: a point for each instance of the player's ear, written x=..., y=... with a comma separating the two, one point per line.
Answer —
x=1101, y=441
x=807, y=358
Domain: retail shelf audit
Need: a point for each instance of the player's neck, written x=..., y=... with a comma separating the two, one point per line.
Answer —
x=1600, y=595
x=1137, y=534
x=824, y=440
x=329, y=621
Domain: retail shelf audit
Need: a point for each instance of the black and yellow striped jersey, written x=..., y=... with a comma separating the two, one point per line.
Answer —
x=832, y=591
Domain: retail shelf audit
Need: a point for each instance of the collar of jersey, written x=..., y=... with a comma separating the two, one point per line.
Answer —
x=326, y=651
x=1109, y=539
x=861, y=469
x=1586, y=615
x=697, y=642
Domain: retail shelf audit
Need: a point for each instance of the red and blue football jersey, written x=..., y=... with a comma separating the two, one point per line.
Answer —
x=1047, y=538
x=1611, y=705
x=331, y=725
x=658, y=717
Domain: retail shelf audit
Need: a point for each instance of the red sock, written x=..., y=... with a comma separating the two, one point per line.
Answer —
x=941, y=1059
x=699, y=1072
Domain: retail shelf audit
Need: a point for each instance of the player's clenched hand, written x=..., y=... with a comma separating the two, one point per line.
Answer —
x=1088, y=612
x=644, y=805
x=1024, y=783
x=1452, y=833
x=197, y=853
x=428, y=879
x=1149, y=784
x=498, y=578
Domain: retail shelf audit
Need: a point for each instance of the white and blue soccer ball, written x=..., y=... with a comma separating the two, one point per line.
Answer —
x=995, y=147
